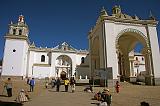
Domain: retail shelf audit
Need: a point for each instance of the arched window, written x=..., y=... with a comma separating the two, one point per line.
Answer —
x=142, y=59
x=14, y=31
x=136, y=58
x=42, y=58
x=20, y=32
x=82, y=60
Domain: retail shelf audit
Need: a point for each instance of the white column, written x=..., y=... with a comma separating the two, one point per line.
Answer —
x=130, y=63
x=80, y=77
x=132, y=68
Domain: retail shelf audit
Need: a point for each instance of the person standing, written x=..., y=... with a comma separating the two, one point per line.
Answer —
x=58, y=83
x=53, y=82
x=66, y=84
x=28, y=81
x=46, y=83
x=72, y=83
x=8, y=86
x=117, y=86
x=32, y=84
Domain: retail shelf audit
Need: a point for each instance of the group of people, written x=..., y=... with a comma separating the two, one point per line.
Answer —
x=70, y=82
x=105, y=95
x=22, y=96
x=57, y=82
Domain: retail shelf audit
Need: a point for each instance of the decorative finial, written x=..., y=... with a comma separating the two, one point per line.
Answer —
x=91, y=30
x=32, y=45
x=150, y=13
x=119, y=6
x=151, y=16
x=11, y=22
x=103, y=8
x=135, y=17
x=21, y=18
x=103, y=12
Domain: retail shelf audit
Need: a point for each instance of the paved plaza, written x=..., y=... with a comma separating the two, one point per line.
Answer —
x=130, y=95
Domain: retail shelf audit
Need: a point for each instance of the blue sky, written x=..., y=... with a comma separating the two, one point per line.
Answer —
x=52, y=22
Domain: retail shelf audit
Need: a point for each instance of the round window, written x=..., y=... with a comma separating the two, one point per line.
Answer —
x=14, y=50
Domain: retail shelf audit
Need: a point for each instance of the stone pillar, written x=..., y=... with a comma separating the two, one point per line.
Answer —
x=130, y=63
x=120, y=64
x=149, y=77
x=150, y=65
x=132, y=77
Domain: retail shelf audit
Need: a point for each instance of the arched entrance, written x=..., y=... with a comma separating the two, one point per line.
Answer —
x=63, y=66
x=63, y=75
x=126, y=42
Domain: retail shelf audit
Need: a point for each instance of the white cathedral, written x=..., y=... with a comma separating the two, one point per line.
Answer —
x=111, y=41
x=23, y=59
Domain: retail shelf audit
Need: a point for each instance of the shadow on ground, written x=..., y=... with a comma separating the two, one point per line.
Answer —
x=97, y=104
x=2, y=103
x=3, y=96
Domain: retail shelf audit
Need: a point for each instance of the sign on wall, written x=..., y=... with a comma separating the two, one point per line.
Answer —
x=103, y=74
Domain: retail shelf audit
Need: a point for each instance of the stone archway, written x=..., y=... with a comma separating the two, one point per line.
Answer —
x=125, y=43
x=63, y=66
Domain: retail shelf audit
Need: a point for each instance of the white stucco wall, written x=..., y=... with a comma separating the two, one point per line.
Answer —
x=155, y=50
x=112, y=60
x=113, y=29
x=38, y=57
x=35, y=58
x=31, y=61
x=118, y=27
x=25, y=62
x=41, y=72
x=140, y=67
x=14, y=62
x=78, y=58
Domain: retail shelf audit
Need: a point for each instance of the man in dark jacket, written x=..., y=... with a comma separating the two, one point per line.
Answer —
x=58, y=83
x=32, y=84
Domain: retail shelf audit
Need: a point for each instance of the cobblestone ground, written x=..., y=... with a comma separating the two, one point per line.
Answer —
x=130, y=95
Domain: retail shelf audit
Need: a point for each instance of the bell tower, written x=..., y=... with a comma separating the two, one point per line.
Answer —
x=18, y=29
x=16, y=49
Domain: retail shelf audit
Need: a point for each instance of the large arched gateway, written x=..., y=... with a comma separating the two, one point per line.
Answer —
x=63, y=67
x=125, y=43
x=114, y=37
